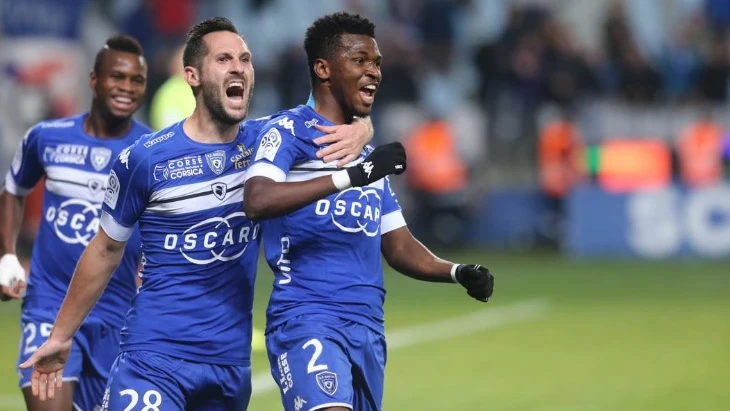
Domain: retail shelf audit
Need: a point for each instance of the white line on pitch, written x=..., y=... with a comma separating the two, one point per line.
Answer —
x=486, y=319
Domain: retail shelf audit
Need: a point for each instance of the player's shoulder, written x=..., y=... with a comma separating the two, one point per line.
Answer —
x=59, y=127
x=149, y=146
x=161, y=141
x=139, y=129
x=297, y=121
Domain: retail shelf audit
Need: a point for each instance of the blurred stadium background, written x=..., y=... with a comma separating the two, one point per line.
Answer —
x=579, y=149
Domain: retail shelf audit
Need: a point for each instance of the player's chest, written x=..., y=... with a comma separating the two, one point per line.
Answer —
x=77, y=170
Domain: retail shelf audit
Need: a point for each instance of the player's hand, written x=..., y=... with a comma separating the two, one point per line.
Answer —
x=12, y=277
x=384, y=160
x=48, y=363
x=346, y=141
x=477, y=280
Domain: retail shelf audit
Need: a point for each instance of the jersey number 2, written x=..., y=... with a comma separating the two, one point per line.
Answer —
x=313, y=366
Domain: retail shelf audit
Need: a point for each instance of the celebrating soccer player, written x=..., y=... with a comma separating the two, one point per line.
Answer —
x=75, y=155
x=187, y=339
x=325, y=334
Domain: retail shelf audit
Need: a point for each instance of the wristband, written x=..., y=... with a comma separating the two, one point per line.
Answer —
x=453, y=272
x=341, y=179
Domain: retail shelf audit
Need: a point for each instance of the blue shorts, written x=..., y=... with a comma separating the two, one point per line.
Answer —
x=323, y=361
x=145, y=380
x=94, y=348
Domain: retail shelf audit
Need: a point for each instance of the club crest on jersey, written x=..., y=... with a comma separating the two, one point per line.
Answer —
x=219, y=190
x=216, y=161
x=327, y=381
x=100, y=157
x=95, y=185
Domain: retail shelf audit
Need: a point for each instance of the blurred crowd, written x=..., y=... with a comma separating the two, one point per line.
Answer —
x=465, y=81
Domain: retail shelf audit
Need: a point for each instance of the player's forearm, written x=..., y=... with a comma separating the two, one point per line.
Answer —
x=410, y=257
x=93, y=271
x=264, y=198
x=11, y=217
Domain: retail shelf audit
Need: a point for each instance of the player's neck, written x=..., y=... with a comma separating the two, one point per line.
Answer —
x=329, y=109
x=203, y=128
x=98, y=125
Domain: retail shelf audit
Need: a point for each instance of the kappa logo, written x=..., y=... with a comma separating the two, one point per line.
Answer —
x=158, y=139
x=219, y=190
x=287, y=124
x=299, y=403
x=124, y=157
x=100, y=157
x=327, y=381
x=367, y=166
x=216, y=161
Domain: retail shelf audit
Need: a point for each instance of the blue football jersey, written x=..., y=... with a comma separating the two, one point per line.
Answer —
x=200, y=250
x=326, y=256
x=75, y=166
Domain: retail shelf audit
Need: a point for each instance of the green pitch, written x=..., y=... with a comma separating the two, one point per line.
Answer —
x=559, y=335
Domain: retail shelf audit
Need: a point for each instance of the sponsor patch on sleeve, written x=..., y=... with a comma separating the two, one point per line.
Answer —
x=270, y=144
x=112, y=191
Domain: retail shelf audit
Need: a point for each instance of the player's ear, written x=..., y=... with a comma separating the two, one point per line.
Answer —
x=192, y=76
x=322, y=69
x=92, y=82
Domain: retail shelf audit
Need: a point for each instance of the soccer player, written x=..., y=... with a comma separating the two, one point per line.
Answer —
x=325, y=334
x=75, y=155
x=187, y=339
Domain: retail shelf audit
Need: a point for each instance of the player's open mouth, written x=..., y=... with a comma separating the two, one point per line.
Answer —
x=123, y=103
x=367, y=93
x=235, y=91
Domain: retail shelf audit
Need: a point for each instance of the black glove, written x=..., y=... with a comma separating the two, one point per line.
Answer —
x=477, y=280
x=384, y=160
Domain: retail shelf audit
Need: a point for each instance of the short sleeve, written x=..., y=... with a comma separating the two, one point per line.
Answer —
x=277, y=151
x=392, y=213
x=26, y=168
x=127, y=192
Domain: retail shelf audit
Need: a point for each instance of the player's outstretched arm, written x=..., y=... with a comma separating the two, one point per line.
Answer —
x=12, y=274
x=345, y=141
x=409, y=256
x=93, y=271
x=266, y=198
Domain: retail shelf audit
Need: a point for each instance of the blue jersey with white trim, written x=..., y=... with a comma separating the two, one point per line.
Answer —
x=326, y=256
x=75, y=166
x=199, y=248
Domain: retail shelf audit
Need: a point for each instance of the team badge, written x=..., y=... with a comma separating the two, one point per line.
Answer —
x=216, y=161
x=327, y=381
x=219, y=190
x=100, y=157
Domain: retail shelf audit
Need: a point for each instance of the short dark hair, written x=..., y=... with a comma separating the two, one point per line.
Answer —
x=119, y=42
x=195, y=47
x=323, y=36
